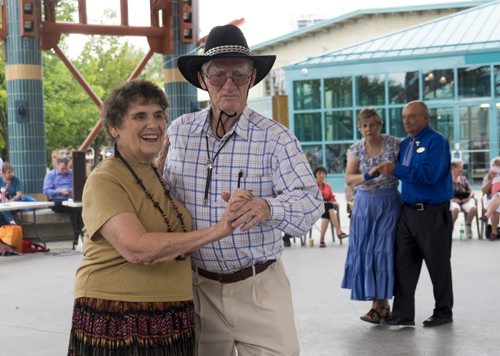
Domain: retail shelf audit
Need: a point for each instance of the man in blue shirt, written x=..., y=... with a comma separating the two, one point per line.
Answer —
x=58, y=183
x=58, y=186
x=425, y=226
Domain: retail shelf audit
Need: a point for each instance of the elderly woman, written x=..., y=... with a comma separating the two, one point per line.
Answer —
x=462, y=196
x=133, y=293
x=12, y=188
x=369, y=271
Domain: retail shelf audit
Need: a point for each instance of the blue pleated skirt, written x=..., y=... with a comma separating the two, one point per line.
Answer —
x=369, y=266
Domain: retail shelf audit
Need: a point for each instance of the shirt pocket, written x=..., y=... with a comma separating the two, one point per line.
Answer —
x=261, y=186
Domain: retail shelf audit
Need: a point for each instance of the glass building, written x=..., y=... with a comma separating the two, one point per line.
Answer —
x=452, y=63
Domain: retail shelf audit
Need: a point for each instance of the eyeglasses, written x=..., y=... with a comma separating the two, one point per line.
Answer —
x=219, y=78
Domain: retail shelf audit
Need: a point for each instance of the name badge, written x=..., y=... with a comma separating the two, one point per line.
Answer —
x=420, y=149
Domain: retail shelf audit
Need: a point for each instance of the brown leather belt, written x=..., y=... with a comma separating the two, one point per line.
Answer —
x=238, y=275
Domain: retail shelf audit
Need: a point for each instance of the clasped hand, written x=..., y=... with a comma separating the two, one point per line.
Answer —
x=385, y=169
x=245, y=210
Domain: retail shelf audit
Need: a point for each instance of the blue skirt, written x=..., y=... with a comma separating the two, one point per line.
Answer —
x=369, y=266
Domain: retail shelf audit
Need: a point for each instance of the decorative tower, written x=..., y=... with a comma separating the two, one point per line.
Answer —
x=26, y=125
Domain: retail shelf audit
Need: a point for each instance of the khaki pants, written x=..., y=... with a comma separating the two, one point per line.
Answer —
x=253, y=316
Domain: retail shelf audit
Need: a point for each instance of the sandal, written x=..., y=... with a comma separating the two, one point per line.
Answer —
x=372, y=316
x=322, y=244
x=342, y=235
x=386, y=313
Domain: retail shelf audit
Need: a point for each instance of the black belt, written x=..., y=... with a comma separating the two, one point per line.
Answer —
x=423, y=206
x=236, y=276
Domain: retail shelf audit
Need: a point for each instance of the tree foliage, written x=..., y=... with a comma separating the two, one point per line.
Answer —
x=104, y=62
x=70, y=114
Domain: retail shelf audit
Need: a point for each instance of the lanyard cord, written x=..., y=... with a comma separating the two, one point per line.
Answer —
x=149, y=195
x=210, y=165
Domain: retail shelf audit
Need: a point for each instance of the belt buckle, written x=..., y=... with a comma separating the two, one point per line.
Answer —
x=220, y=278
x=420, y=207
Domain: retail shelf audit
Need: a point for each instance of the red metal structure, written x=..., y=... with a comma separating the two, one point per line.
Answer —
x=159, y=35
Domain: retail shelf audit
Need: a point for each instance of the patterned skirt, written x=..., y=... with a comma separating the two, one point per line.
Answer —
x=107, y=327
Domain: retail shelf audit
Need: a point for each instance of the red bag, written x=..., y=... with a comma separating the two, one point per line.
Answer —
x=30, y=247
x=12, y=235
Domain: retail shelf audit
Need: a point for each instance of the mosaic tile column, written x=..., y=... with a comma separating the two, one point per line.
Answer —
x=182, y=95
x=26, y=127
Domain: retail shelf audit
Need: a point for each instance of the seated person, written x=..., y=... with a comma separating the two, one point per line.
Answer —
x=492, y=202
x=58, y=186
x=331, y=207
x=286, y=240
x=462, y=196
x=13, y=191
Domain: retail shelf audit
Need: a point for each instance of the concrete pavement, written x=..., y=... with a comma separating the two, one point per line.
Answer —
x=36, y=302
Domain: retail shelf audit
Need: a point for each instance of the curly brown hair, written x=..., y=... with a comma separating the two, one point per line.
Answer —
x=122, y=97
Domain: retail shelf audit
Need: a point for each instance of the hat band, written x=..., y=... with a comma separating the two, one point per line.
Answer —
x=228, y=49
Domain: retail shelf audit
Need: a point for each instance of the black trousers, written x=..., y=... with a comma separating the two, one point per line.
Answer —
x=75, y=215
x=423, y=236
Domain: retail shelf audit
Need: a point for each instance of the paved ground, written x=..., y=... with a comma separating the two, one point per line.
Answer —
x=36, y=301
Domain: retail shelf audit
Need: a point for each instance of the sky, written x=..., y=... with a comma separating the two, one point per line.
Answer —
x=264, y=19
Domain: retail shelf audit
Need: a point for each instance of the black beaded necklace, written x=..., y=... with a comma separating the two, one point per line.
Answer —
x=150, y=196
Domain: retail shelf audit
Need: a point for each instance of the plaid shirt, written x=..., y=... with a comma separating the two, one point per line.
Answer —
x=267, y=159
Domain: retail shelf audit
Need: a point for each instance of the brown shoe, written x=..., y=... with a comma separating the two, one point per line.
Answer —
x=375, y=317
x=322, y=244
x=372, y=316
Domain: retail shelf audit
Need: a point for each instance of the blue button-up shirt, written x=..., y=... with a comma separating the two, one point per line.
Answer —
x=427, y=179
x=55, y=181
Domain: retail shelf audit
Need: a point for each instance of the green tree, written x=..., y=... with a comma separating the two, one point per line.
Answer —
x=70, y=114
x=104, y=62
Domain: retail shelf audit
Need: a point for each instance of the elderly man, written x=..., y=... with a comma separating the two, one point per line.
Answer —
x=242, y=295
x=425, y=227
x=58, y=187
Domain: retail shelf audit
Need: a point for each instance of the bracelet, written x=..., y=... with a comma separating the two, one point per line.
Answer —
x=368, y=176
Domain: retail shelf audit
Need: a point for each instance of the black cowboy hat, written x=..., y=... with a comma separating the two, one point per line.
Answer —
x=224, y=42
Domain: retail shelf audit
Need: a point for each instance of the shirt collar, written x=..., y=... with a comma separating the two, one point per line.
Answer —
x=422, y=133
x=202, y=119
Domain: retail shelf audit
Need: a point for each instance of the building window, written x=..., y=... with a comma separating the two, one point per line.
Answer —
x=441, y=119
x=474, y=140
x=338, y=92
x=314, y=155
x=438, y=84
x=497, y=81
x=370, y=90
x=403, y=87
x=306, y=94
x=396, y=127
x=336, y=158
x=474, y=82
x=338, y=126
x=308, y=127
